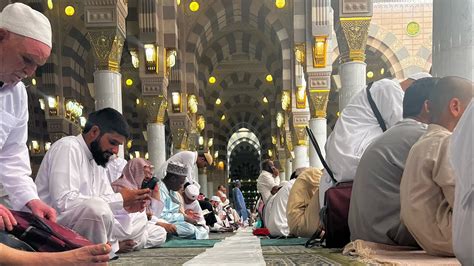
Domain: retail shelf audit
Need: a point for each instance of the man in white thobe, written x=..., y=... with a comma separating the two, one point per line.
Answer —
x=463, y=211
x=268, y=182
x=357, y=127
x=275, y=211
x=192, y=160
x=25, y=44
x=72, y=179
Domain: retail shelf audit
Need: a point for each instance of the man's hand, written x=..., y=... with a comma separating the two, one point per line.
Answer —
x=7, y=221
x=190, y=219
x=156, y=192
x=40, y=208
x=134, y=200
x=193, y=214
x=170, y=228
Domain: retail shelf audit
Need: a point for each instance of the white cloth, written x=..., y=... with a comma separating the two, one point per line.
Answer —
x=463, y=212
x=114, y=168
x=196, y=208
x=68, y=177
x=15, y=168
x=135, y=226
x=187, y=158
x=265, y=183
x=357, y=127
x=275, y=211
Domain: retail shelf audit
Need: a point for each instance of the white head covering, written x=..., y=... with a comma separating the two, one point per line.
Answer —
x=191, y=191
x=419, y=75
x=216, y=198
x=25, y=21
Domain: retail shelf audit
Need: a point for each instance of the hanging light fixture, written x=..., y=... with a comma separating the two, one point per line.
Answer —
x=218, y=101
x=176, y=102
x=192, y=104
x=212, y=79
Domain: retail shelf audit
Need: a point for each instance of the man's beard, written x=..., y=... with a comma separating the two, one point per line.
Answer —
x=100, y=157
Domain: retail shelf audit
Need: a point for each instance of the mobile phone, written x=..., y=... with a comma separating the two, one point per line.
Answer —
x=150, y=183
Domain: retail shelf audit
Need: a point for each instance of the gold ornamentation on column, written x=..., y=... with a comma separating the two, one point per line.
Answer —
x=300, y=53
x=107, y=48
x=319, y=86
x=285, y=100
x=320, y=47
x=300, y=135
x=301, y=97
x=319, y=98
x=356, y=30
x=156, y=108
x=289, y=140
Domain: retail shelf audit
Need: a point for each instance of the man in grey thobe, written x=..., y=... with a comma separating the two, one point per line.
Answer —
x=374, y=213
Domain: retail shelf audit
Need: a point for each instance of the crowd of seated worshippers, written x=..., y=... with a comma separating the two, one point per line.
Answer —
x=404, y=184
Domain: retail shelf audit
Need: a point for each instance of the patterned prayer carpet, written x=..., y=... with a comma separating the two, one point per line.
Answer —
x=293, y=253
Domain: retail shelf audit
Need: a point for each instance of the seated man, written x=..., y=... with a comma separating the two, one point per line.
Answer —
x=191, y=204
x=380, y=171
x=268, y=181
x=427, y=187
x=303, y=204
x=275, y=212
x=134, y=232
x=462, y=160
x=357, y=127
x=169, y=187
x=72, y=179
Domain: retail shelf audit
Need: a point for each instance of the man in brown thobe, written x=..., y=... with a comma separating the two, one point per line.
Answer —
x=427, y=186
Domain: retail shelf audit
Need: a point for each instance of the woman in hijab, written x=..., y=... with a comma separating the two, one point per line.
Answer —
x=135, y=231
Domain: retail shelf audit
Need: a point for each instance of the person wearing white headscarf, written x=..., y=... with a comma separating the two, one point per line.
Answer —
x=133, y=229
x=462, y=161
x=357, y=127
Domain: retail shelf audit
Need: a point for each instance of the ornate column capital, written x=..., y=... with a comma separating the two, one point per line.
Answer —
x=107, y=45
x=300, y=121
x=105, y=21
x=356, y=31
x=354, y=17
x=179, y=124
x=319, y=85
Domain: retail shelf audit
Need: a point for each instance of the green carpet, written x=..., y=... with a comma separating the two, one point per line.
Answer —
x=295, y=241
x=190, y=243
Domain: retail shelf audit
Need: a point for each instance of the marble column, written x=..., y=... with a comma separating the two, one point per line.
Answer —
x=319, y=128
x=289, y=169
x=106, y=34
x=156, y=143
x=301, y=156
x=210, y=190
x=352, y=21
x=352, y=81
x=203, y=180
x=108, y=92
x=453, y=49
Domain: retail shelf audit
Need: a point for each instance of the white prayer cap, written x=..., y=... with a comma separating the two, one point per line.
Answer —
x=177, y=169
x=25, y=21
x=419, y=75
x=216, y=198
x=191, y=191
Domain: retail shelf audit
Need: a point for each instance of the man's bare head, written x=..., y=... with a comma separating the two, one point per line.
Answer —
x=448, y=100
